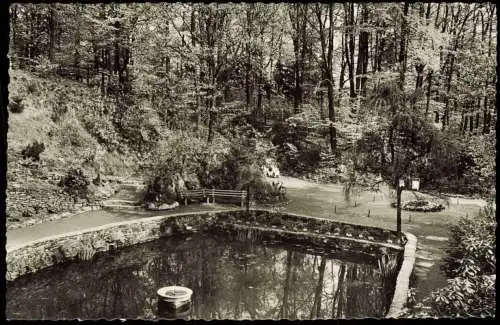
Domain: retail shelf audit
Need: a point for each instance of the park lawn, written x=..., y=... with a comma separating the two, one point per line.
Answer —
x=431, y=228
x=327, y=201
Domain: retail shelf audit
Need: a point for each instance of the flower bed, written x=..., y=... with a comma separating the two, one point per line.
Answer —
x=296, y=223
x=421, y=206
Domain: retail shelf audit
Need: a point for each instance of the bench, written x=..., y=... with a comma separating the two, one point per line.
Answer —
x=213, y=193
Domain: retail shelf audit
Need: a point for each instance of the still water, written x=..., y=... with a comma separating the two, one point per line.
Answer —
x=231, y=279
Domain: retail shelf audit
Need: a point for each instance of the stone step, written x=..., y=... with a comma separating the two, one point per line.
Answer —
x=121, y=207
x=422, y=264
x=122, y=202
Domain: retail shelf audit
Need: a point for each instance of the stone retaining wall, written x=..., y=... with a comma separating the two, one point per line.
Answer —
x=43, y=253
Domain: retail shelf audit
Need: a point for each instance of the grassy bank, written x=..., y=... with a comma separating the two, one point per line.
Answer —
x=61, y=114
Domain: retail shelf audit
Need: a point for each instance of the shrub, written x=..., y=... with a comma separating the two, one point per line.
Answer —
x=469, y=297
x=72, y=134
x=277, y=220
x=16, y=105
x=59, y=108
x=471, y=263
x=75, y=183
x=26, y=214
x=472, y=245
x=160, y=190
x=31, y=87
x=265, y=192
x=33, y=151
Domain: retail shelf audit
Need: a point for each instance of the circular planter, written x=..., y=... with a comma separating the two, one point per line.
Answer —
x=420, y=206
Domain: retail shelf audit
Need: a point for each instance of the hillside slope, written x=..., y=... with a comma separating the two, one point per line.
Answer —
x=61, y=114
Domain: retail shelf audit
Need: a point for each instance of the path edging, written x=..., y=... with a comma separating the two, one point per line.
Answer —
x=400, y=296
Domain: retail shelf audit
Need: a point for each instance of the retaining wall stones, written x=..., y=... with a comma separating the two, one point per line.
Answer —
x=39, y=254
x=33, y=256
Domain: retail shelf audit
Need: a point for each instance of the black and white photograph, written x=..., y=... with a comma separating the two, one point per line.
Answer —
x=250, y=161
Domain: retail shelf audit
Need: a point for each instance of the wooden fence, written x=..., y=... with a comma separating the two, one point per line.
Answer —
x=213, y=193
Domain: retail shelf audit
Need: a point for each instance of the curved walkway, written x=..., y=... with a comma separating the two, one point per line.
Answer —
x=306, y=198
x=91, y=219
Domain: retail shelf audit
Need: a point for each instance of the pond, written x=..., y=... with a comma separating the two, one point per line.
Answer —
x=230, y=278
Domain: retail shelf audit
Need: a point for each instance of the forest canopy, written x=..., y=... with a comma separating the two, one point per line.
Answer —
x=344, y=71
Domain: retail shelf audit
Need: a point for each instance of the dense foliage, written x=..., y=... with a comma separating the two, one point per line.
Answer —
x=33, y=151
x=75, y=183
x=188, y=67
x=471, y=266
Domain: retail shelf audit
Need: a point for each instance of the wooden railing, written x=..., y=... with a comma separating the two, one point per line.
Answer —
x=213, y=193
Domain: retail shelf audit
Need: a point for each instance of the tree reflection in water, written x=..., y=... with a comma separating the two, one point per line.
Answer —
x=231, y=279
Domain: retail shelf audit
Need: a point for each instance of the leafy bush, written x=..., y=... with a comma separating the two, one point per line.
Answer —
x=26, y=214
x=299, y=158
x=72, y=134
x=136, y=124
x=277, y=220
x=59, y=108
x=471, y=265
x=265, y=192
x=160, y=190
x=472, y=245
x=16, y=105
x=466, y=297
x=33, y=151
x=31, y=87
x=75, y=183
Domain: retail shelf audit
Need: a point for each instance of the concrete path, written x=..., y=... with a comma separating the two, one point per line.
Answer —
x=90, y=219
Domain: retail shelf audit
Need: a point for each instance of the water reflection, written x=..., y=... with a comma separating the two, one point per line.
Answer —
x=230, y=280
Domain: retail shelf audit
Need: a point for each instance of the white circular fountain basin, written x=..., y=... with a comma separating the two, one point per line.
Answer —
x=175, y=295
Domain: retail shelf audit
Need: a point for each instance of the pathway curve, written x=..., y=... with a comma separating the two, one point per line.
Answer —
x=128, y=192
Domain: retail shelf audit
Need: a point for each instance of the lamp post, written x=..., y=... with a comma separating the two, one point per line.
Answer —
x=399, y=190
x=404, y=183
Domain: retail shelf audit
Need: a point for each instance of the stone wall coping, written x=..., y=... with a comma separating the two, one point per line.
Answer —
x=400, y=296
x=11, y=248
x=358, y=240
x=324, y=219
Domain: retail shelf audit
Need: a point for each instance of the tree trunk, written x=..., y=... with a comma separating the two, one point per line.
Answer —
x=331, y=116
x=436, y=22
x=316, y=308
x=402, y=50
x=211, y=118
x=428, y=94
x=103, y=88
x=428, y=14
x=341, y=291
x=362, y=64
x=420, y=75
x=445, y=20
x=399, y=190
x=448, y=88
x=465, y=122
x=51, y=27
x=350, y=51
x=284, y=307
